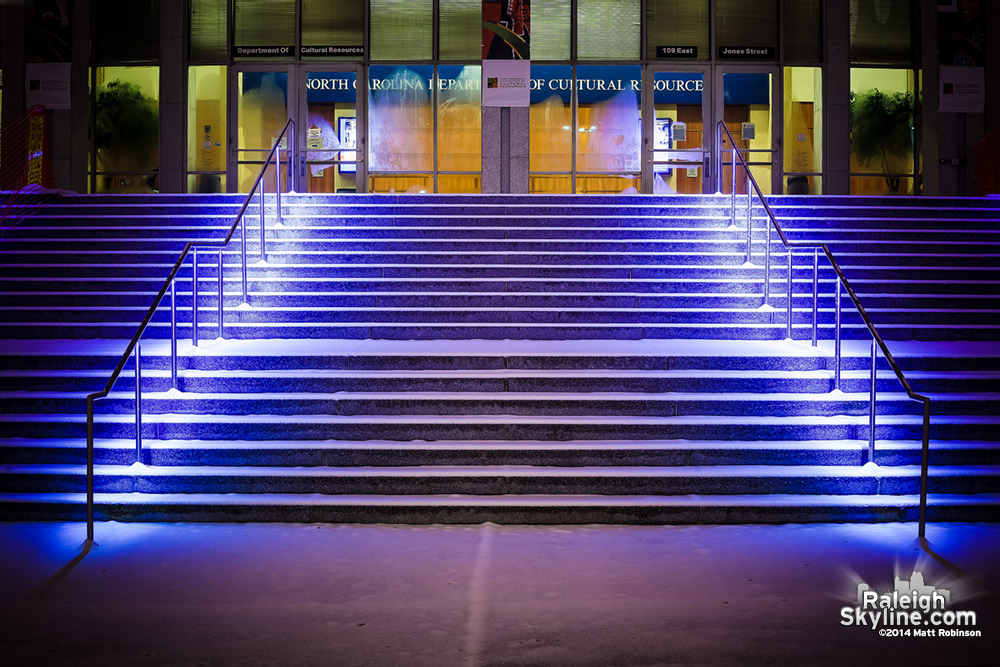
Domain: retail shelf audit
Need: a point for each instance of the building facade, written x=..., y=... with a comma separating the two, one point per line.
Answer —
x=625, y=95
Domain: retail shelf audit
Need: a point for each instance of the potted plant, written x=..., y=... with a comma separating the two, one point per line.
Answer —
x=882, y=129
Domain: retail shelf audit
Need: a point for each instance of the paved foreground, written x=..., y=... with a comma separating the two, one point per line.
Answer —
x=293, y=594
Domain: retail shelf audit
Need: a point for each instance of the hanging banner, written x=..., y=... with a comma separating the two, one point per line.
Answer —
x=963, y=89
x=48, y=35
x=506, y=29
x=47, y=84
x=962, y=57
x=506, y=83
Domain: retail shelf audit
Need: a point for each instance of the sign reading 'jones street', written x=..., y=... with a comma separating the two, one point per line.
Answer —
x=756, y=52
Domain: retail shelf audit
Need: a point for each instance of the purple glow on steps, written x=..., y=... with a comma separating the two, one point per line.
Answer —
x=512, y=359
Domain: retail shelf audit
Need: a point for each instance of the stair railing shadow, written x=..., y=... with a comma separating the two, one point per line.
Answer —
x=877, y=342
x=26, y=180
x=52, y=582
x=288, y=131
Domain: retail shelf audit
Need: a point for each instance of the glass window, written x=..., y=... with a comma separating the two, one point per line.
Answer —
x=741, y=23
x=261, y=113
x=747, y=111
x=331, y=131
x=400, y=126
x=208, y=31
x=550, y=23
x=605, y=156
x=803, y=31
x=676, y=23
x=401, y=29
x=678, y=132
x=127, y=30
x=609, y=128
x=551, y=129
x=206, y=120
x=459, y=126
x=881, y=32
x=461, y=29
x=126, y=129
x=333, y=29
x=882, y=132
x=803, y=130
x=264, y=23
x=608, y=29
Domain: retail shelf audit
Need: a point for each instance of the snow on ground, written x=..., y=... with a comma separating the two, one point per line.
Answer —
x=283, y=594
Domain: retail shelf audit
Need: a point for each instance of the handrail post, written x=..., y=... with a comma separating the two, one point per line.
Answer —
x=815, y=327
x=767, y=262
x=90, y=468
x=173, y=334
x=221, y=293
x=871, y=407
x=291, y=157
x=138, y=402
x=746, y=179
x=718, y=154
x=263, y=252
x=749, y=257
x=836, y=341
x=733, y=188
x=243, y=255
x=925, y=453
x=194, y=297
x=277, y=184
x=789, y=305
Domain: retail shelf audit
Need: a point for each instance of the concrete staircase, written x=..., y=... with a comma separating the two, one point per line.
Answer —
x=517, y=359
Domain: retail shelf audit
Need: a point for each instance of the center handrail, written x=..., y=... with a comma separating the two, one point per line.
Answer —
x=841, y=279
x=169, y=283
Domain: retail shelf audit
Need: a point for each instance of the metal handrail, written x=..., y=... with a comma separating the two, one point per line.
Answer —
x=877, y=342
x=169, y=283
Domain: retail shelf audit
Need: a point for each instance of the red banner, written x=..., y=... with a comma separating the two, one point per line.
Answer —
x=506, y=29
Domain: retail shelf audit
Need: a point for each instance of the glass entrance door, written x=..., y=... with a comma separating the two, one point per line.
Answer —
x=677, y=137
x=747, y=100
x=260, y=105
x=332, y=136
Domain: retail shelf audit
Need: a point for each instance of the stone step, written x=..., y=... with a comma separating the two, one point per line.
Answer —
x=274, y=269
x=497, y=331
x=298, y=402
x=514, y=232
x=715, y=311
x=515, y=509
x=708, y=253
x=555, y=382
x=502, y=480
x=77, y=301
x=498, y=427
x=975, y=359
x=295, y=453
x=122, y=287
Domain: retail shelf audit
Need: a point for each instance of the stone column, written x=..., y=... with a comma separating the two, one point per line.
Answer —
x=836, y=99
x=491, y=150
x=173, y=96
x=505, y=149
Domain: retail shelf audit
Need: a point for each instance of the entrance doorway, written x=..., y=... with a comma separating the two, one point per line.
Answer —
x=678, y=142
x=747, y=100
x=680, y=130
x=329, y=124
